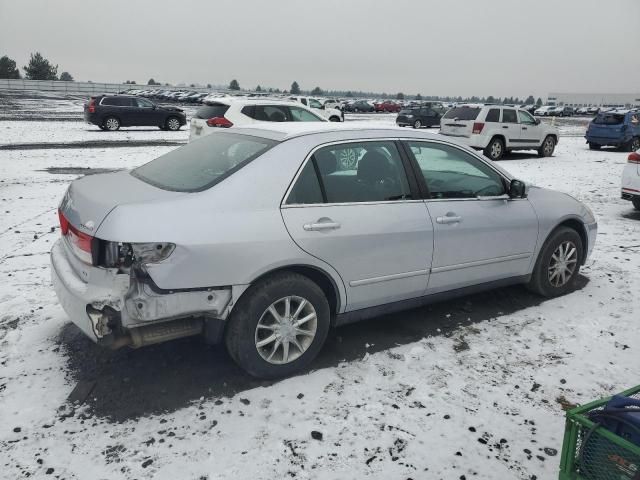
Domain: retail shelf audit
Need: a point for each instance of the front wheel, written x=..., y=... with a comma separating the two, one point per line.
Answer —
x=547, y=147
x=495, y=149
x=558, y=263
x=634, y=144
x=334, y=119
x=417, y=124
x=278, y=326
x=173, y=124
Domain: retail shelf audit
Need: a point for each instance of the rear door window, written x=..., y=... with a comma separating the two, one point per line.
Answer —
x=272, y=113
x=463, y=113
x=509, y=116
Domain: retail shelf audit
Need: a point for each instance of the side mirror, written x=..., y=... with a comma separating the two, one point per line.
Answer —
x=517, y=189
x=537, y=121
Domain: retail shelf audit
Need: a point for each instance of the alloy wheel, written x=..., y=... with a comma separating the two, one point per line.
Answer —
x=286, y=330
x=417, y=124
x=173, y=124
x=635, y=144
x=548, y=146
x=496, y=149
x=112, y=124
x=563, y=263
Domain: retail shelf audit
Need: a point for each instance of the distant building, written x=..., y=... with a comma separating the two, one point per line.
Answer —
x=595, y=99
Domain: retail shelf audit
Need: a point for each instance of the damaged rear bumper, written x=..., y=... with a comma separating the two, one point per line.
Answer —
x=116, y=309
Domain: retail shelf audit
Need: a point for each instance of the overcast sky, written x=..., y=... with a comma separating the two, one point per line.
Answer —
x=445, y=47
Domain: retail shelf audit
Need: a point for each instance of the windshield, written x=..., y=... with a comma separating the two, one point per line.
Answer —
x=609, y=119
x=200, y=165
x=463, y=113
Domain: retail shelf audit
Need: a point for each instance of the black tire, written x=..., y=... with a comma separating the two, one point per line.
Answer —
x=636, y=203
x=111, y=124
x=540, y=282
x=634, y=144
x=417, y=124
x=547, y=147
x=594, y=146
x=240, y=334
x=495, y=150
x=334, y=119
x=172, y=124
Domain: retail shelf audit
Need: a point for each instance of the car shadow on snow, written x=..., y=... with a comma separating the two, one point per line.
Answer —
x=631, y=214
x=127, y=384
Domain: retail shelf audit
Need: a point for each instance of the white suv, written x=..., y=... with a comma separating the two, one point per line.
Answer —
x=631, y=179
x=498, y=129
x=242, y=111
x=331, y=114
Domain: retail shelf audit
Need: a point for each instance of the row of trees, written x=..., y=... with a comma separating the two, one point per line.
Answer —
x=317, y=91
x=39, y=68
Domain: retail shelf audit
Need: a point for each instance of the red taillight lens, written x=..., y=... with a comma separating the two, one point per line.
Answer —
x=477, y=127
x=219, y=122
x=634, y=158
x=81, y=243
x=92, y=106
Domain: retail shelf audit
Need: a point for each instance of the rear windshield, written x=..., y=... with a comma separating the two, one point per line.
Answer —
x=212, y=111
x=200, y=165
x=609, y=119
x=463, y=113
x=407, y=111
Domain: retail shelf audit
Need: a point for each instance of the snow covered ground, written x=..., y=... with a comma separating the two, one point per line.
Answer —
x=471, y=388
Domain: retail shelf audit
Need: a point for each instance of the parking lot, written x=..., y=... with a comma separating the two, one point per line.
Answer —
x=474, y=386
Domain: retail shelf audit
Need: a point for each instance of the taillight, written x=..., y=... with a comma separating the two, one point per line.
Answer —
x=92, y=105
x=80, y=243
x=634, y=157
x=219, y=122
x=477, y=127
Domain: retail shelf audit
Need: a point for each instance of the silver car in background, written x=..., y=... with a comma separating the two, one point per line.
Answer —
x=263, y=238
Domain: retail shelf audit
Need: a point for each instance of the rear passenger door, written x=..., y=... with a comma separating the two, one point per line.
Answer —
x=510, y=127
x=353, y=206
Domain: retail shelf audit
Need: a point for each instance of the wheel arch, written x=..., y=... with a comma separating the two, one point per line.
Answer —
x=578, y=226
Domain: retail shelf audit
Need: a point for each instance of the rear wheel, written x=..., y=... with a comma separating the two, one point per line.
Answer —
x=495, y=149
x=634, y=144
x=173, y=124
x=334, y=119
x=111, y=123
x=547, y=147
x=636, y=203
x=417, y=124
x=558, y=263
x=278, y=326
x=594, y=146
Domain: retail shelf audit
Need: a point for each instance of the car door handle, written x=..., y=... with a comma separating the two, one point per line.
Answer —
x=447, y=219
x=505, y=126
x=320, y=225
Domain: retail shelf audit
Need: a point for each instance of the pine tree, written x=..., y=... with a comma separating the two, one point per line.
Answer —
x=39, y=68
x=66, y=77
x=8, y=68
x=234, y=85
x=295, y=88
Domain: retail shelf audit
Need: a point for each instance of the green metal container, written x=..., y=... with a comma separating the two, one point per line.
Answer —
x=590, y=452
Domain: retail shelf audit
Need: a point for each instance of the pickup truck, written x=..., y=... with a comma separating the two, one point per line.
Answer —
x=331, y=114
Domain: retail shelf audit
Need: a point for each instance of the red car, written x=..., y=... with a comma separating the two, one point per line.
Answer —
x=387, y=106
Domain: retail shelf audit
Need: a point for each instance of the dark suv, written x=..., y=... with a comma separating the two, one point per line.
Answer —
x=426, y=115
x=110, y=112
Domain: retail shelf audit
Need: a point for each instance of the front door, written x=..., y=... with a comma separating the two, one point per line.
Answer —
x=480, y=234
x=364, y=220
x=146, y=114
x=530, y=130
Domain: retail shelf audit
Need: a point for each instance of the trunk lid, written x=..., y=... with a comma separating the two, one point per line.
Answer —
x=90, y=199
x=458, y=122
x=607, y=125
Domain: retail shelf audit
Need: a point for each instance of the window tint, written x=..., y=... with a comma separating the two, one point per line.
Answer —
x=609, y=119
x=526, y=118
x=144, y=103
x=493, y=115
x=200, y=165
x=302, y=115
x=362, y=172
x=307, y=187
x=452, y=173
x=212, y=111
x=272, y=113
x=463, y=113
x=509, y=116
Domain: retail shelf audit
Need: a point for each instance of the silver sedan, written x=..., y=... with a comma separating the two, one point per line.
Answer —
x=264, y=238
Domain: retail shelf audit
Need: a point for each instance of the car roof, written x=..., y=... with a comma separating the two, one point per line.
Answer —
x=281, y=131
x=251, y=101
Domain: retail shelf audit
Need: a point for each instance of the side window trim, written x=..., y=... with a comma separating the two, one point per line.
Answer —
x=422, y=182
x=411, y=175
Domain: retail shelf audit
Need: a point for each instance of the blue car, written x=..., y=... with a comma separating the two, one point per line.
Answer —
x=618, y=128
